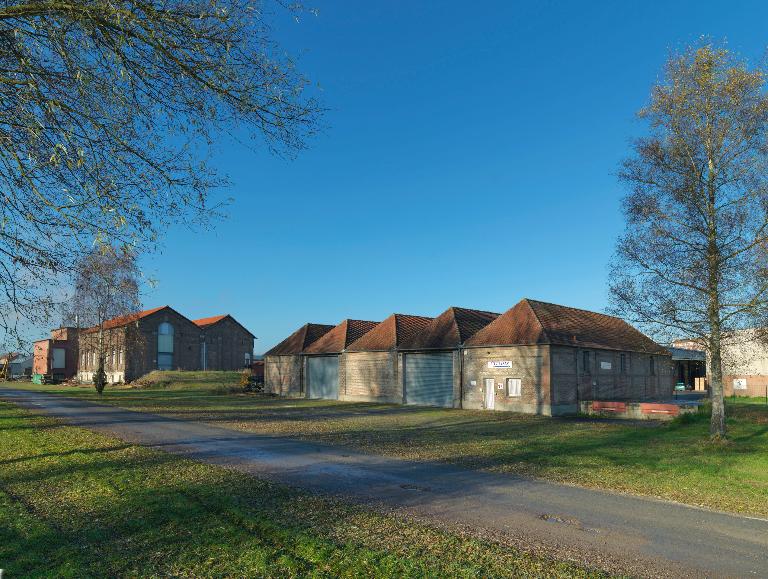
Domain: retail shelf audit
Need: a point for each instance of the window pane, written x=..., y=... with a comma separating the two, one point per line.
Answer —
x=59, y=355
x=165, y=361
x=514, y=386
x=165, y=343
x=165, y=329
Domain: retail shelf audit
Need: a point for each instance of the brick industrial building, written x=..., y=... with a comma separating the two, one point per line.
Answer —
x=536, y=358
x=56, y=356
x=155, y=339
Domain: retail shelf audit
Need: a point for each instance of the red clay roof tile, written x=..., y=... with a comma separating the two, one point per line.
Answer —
x=532, y=322
x=341, y=336
x=205, y=322
x=125, y=320
x=298, y=341
x=451, y=329
x=396, y=330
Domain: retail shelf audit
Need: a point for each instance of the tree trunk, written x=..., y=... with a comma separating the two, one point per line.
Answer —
x=714, y=266
x=717, y=424
x=100, y=378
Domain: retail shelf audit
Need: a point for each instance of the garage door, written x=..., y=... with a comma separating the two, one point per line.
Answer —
x=323, y=374
x=429, y=379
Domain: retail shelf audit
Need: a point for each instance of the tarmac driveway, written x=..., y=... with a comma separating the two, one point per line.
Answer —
x=639, y=535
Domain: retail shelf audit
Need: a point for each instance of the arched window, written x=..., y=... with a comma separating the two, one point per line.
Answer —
x=165, y=346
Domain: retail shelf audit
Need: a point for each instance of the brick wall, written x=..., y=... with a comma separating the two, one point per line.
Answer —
x=283, y=375
x=227, y=343
x=371, y=377
x=142, y=344
x=528, y=363
x=756, y=385
x=609, y=375
x=555, y=378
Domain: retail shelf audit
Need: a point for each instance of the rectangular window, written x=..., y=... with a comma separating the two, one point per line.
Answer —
x=585, y=365
x=59, y=358
x=120, y=357
x=653, y=366
x=514, y=387
x=623, y=363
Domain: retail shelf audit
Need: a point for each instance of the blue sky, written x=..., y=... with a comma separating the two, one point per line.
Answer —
x=469, y=160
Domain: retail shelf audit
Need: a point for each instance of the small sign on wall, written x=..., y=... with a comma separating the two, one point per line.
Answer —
x=740, y=384
x=500, y=364
x=606, y=365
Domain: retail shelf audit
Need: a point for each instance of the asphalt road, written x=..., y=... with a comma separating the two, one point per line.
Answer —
x=610, y=530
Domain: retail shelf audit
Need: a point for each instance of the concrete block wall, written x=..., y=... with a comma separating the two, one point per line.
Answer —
x=283, y=375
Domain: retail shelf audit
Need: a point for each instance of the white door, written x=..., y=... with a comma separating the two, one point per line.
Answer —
x=490, y=393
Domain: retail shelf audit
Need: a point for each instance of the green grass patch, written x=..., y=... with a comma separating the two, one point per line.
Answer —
x=74, y=503
x=217, y=380
x=673, y=460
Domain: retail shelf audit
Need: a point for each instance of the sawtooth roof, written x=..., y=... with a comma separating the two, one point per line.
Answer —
x=532, y=322
x=392, y=333
x=450, y=329
x=298, y=341
x=341, y=336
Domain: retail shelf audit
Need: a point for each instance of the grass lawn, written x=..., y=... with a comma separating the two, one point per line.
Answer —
x=76, y=503
x=668, y=460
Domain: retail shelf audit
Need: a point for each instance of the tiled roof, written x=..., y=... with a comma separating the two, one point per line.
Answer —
x=451, y=329
x=210, y=321
x=341, y=336
x=298, y=341
x=392, y=333
x=205, y=322
x=125, y=320
x=532, y=322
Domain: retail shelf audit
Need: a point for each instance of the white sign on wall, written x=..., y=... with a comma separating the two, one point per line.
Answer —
x=605, y=365
x=500, y=364
x=740, y=384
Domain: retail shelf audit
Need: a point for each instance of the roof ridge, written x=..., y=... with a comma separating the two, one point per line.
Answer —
x=345, y=321
x=547, y=337
x=575, y=309
x=474, y=310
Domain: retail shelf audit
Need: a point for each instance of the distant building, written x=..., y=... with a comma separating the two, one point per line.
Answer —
x=19, y=365
x=745, y=363
x=164, y=339
x=690, y=366
x=56, y=357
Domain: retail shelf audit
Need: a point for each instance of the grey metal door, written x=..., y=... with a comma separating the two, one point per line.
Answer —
x=429, y=379
x=323, y=374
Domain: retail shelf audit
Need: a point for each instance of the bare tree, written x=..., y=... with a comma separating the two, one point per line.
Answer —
x=693, y=259
x=106, y=288
x=107, y=112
